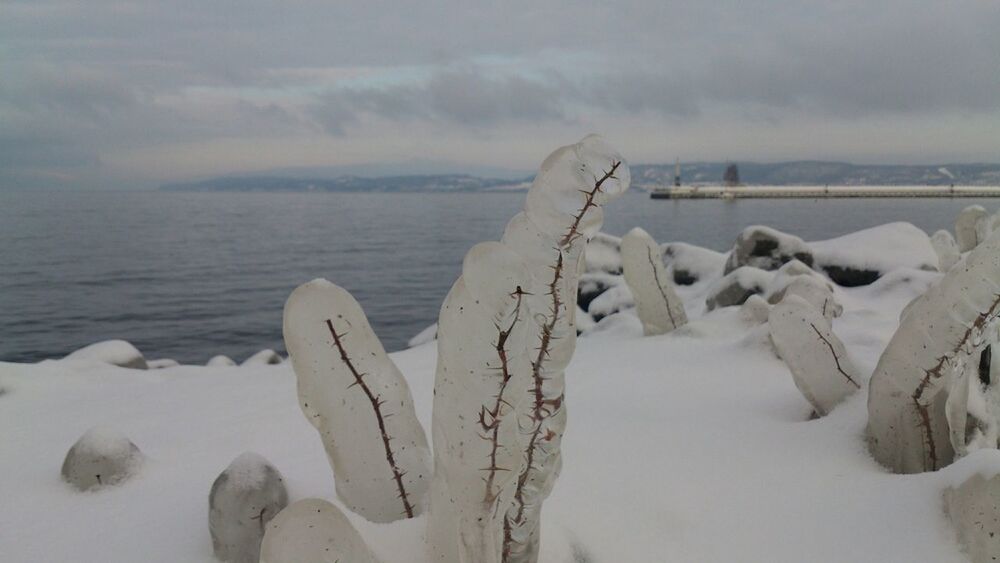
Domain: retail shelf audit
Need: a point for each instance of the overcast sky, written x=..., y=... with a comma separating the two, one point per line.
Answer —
x=132, y=94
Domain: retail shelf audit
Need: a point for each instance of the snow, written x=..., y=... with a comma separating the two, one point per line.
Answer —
x=115, y=352
x=881, y=249
x=693, y=446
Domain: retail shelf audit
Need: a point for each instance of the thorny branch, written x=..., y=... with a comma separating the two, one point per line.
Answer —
x=656, y=277
x=835, y=357
x=377, y=403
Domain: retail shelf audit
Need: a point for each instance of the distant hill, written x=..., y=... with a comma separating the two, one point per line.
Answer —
x=644, y=176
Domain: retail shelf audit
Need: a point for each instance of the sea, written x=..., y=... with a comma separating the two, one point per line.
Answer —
x=187, y=276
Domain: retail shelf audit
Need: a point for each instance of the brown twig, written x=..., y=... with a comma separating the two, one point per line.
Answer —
x=835, y=357
x=656, y=277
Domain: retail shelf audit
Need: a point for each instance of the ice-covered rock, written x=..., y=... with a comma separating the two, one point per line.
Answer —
x=313, y=531
x=946, y=248
x=615, y=299
x=429, y=334
x=357, y=399
x=220, y=361
x=816, y=292
x=266, y=357
x=736, y=286
x=974, y=510
x=817, y=359
x=659, y=307
x=688, y=264
x=788, y=273
x=162, y=363
x=115, y=352
x=755, y=310
x=101, y=457
x=929, y=363
x=985, y=226
x=864, y=256
x=594, y=284
x=767, y=249
x=603, y=254
x=965, y=227
x=243, y=499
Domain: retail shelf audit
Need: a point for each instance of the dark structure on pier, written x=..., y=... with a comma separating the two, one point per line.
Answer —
x=732, y=176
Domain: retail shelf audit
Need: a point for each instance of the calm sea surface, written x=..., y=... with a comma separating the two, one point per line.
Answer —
x=188, y=276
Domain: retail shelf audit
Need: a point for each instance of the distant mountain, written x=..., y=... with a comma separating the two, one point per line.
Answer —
x=810, y=172
x=644, y=176
x=428, y=183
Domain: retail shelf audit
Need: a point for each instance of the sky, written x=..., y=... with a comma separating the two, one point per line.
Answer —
x=113, y=94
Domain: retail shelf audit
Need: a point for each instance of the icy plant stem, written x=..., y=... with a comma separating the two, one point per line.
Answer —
x=377, y=403
x=836, y=358
x=659, y=285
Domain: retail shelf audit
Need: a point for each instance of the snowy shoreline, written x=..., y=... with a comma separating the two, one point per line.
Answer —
x=689, y=446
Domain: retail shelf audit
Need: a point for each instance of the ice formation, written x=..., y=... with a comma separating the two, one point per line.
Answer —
x=965, y=227
x=947, y=249
x=101, y=457
x=359, y=402
x=243, y=499
x=220, y=360
x=974, y=510
x=505, y=337
x=313, y=531
x=930, y=363
x=816, y=292
x=820, y=367
x=115, y=352
x=659, y=307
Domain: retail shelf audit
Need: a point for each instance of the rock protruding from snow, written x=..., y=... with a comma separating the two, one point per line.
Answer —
x=736, y=286
x=767, y=249
x=688, y=264
x=162, y=363
x=243, y=499
x=974, y=510
x=220, y=361
x=101, y=457
x=755, y=310
x=266, y=357
x=939, y=342
x=965, y=227
x=313, y=531
x=862, y=257
x=820, y=367
x=659, y=307
x=115, y=352
x=603, y=254
x=947, y=249
x=817, y=293
x=356, y=397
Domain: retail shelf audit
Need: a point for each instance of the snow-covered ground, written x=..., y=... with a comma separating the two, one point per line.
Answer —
x=690, y=446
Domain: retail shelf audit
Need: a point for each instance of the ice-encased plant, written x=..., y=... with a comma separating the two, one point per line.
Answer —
x=359, y=402
x=804, y=339
x=939, y=341
x=659, y=307
x=505, y=336
x=313, y=531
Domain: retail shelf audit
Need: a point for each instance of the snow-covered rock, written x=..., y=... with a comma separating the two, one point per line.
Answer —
x=816, y=292
x=862, y=257
x=603, y=254
x=243, y=499
x=736, y=286
x=162, y=363
x=767, y=249
x=659, y=307
x=313, y=531
x=947, y=249
x=115, y=352
x=965, y=227
x=755, y=310
x=615, y=299
x=594, y=284
x=220, y=361
x=817, y=359
x=101, y=457
x=688, y=264
x=266, y=357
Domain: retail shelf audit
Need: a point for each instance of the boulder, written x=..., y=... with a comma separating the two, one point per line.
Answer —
x=862, y=257
x=767, y=249
x=736, y=286
x=603, y=254
x=220, y=361
x=313, y=531
x=965, y=227
x=688, y=264
x=817, y=293
x=115, y=352
x=615, y=299
x=593, y=284
x=101, y=457
x=755, y=310
x=265, y=357
x=243, y=499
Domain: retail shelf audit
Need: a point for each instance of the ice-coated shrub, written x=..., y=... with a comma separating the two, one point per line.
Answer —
x=359, y=402
x=937, y=346
x=947, y=249
x=965, y=227
x=974, y=510
x=313, y=531
x=805, y=341
x=659, y=307
x=243, y=499
x=505, y=337
x=101, y=457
